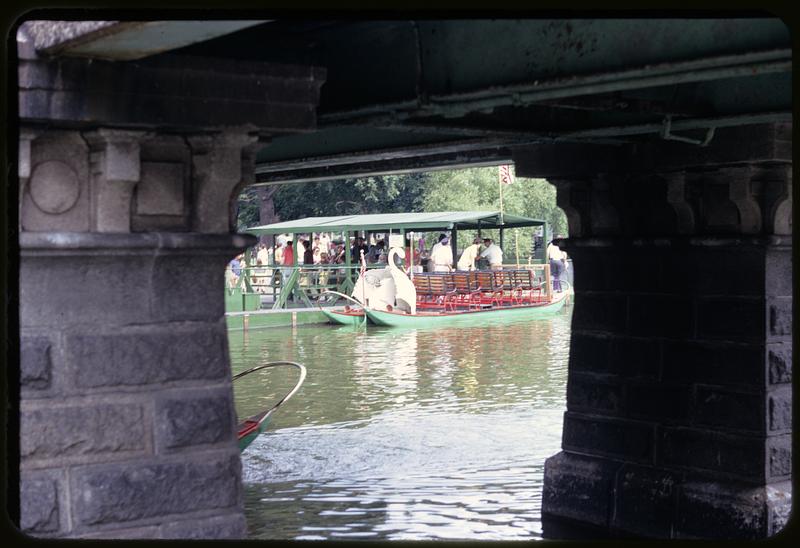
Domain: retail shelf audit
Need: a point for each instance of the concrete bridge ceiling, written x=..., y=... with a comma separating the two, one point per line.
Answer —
x=409, y=94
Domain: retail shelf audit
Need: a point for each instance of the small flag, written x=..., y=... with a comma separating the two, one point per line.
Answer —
x=363, y=263
x=505, y=175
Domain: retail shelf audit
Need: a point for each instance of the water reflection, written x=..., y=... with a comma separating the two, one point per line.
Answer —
x=404, y=434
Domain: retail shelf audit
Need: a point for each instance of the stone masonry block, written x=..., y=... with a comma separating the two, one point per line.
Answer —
x=59, y=291
x=780, y=317
x=779, y=409
x=161, y=190
x=40, y=507
x=589, y=352
x=706, y=270
x=645, y=501
x=779, y=456
x=599, y=394
x=192, y=417
x=579, y=487
x=779, y=358
x=232, y=526
x=600, y=312
x=661, y=316
x=602, y=436
x=66, y=432
x=107, y=494
x=711, y=510
x=636, y=357
x=734, y=455
x=655, y=401
x=189, y=287
x=720, y=363
x=35, y=363
x=779, y=501
x=730, y=409
x=134, y=533
x=731, y=319
x=146, y=355
x=779, y=273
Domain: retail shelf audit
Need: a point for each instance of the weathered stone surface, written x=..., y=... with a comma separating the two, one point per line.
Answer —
x=780, y=409
x=714, y=363
x=39, y=503
x=145, y=355
x=128, y=492
x=645, y=501
x=161, y=190
x=188, y=287
x=731, y=319
x=779, y=273
x=194, y=417
x=600, y=312
x=674, y=317
x=779, y=455
x=35, y=363
x=579, y=487
x=780, y=317
x=734, y=410
x=589, y=352
x=709, y=510
x=222, y=527
x=658, y=402
x=632, y=440
x=636, y=357
x=694, y=448
x=779, y=357
x=600, y=394
x=88, y=430
x=135, y=533
x=779, y=502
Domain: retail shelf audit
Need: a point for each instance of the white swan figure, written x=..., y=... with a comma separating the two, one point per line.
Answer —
x=375, y=288
x=405, y=292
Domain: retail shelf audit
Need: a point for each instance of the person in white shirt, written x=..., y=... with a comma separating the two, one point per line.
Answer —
x=442, y=256
x=437, y=245
x=467, y=260
x=558, y=263
x=493, y=254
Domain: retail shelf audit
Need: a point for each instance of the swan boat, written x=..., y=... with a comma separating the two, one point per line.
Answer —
x=250, y=428
x=388, y=297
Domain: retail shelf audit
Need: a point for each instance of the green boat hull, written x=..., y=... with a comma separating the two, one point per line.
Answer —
x=245, y=441
x=341, y=318
x=472, y=317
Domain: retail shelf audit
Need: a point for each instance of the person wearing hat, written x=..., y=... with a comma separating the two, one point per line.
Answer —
x=469, y=255
x=493, y=254
x=442, y=256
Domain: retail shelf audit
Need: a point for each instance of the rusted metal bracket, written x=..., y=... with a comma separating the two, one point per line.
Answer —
x=667, y=136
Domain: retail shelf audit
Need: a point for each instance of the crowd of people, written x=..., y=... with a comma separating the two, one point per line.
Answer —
x=482, y=253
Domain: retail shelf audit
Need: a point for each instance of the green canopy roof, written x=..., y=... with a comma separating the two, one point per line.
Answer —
x=438, y=220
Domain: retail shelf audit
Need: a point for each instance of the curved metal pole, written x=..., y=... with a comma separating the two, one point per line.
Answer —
x=277, y=364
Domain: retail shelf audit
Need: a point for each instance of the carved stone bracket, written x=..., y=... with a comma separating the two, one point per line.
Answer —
x=221, y=164
x=572, y=196
x=115, y=167
x=605, y=218
x=676, y=198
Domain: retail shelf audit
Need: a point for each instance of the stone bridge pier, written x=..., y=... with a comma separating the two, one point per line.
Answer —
x=679, y=400
x=126, y=413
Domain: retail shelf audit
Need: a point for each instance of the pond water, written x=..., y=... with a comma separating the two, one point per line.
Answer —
x=403, y=434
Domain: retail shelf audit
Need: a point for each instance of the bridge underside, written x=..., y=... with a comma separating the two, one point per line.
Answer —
x=668, y=140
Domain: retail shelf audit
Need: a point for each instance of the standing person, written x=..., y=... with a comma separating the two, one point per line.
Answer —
x=431, y=265
x=308, y=253
x=493, y=254
x=263, y=254
x=355, y=251
x=279, y=252
x=558, y=263
x=442, y=256
x=468, y=257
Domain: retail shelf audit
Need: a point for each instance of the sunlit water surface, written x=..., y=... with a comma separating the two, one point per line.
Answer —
x=403, y=434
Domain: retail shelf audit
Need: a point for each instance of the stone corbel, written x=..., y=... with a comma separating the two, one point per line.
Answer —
x=777, y=182
x=26, y=135
x=572, y=196
x=741, y=193
x=115, y=164
x=676, y=198
x=604, y=215
x=221, y=164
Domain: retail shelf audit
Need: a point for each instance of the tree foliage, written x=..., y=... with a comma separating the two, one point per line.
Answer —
x=471, y=189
